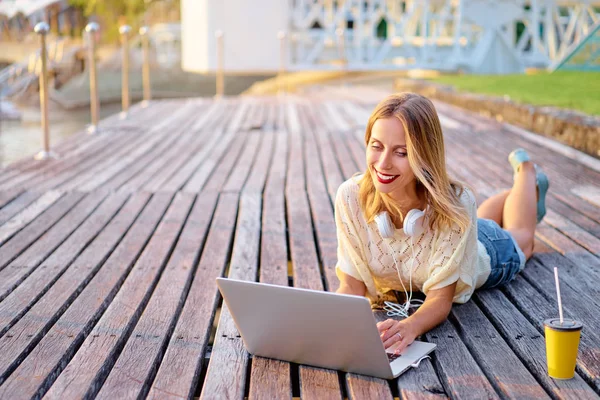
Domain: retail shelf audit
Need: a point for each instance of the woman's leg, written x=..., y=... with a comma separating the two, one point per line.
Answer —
x=493, y=207
x=519, y=216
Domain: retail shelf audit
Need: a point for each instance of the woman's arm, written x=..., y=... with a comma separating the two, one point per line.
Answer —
x=434, y=311
x=350, y=285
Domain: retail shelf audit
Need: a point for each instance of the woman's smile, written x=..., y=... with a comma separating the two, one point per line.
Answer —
x=384, y=178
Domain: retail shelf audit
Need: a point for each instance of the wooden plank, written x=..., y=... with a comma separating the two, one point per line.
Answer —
x=537, y=308
x=73, y=173
x=189, y=146
x=214, y=173
x=125, y=175
x=585, y=279
x=356, y=150
x=463, y=377
x=421, y=383
x=124, y=158
x=7, y=196
x=529, y=345
x=331, y=168
x=258, y=175
x=191, y=143
x=270, y=379
x=258, y=116
x=23, y=218
x=88, y=369
x=116, y=181
x=22, y=266
x=201, y=176
x=503, y=368
x=346, y=161
x=207, y=115
x=38, y=370
x=270, y=117
x=35, y=284
x=136, y=366
x=217, y=137
x=20, y=339
x=226, y=374
x=333, y=112
x=321, y=207
x=72, y=146
x=247, y=122
x=32, y=232
x=574, y=215
x=181, y=176
x=238, y=177
x=166, y=162
x=314, y=383
x=241, y=113
x=52, y=169
x=18, y=204
x=577, y=234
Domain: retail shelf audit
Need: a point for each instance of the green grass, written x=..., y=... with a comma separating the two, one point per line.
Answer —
x=575, y=90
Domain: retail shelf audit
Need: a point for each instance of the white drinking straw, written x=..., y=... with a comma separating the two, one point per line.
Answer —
x=560, y=313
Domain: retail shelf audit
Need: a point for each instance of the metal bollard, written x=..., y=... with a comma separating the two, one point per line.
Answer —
x=144, y=30
x=124, y=31
x=42, y=29
x=342, y=50
x=91, y=30
x=282, y=62
x=220, y=64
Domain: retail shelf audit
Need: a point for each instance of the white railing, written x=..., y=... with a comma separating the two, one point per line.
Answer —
x=474, y=35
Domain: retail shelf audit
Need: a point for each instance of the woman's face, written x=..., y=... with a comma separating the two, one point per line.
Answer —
x=387, y=158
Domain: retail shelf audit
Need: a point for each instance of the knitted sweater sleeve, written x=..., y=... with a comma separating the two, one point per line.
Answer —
x=351, y=255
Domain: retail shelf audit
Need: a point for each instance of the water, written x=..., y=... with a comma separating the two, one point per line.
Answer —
x=19, y=139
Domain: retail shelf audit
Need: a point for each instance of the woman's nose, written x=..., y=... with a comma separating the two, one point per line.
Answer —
x=385, y=161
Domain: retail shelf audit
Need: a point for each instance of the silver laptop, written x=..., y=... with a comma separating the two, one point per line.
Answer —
x=310, y=327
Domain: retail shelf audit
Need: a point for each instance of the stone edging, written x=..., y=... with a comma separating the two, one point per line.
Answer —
x=575, y=129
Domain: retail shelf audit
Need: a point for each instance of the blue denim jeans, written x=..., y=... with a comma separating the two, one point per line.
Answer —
x=506, y=258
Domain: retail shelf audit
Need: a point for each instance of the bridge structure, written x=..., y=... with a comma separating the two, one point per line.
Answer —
x=477, y=36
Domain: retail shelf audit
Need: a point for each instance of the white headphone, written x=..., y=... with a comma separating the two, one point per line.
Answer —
x=413, y=225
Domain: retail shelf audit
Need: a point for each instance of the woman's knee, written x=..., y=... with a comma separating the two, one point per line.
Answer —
x=524, y=239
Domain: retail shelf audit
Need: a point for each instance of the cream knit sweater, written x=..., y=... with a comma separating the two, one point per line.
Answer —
x=441, y=258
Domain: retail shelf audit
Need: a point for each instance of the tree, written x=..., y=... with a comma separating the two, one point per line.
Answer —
x=113, y=13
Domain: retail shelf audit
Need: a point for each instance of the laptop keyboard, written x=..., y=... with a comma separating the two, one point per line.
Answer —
x=392, y=356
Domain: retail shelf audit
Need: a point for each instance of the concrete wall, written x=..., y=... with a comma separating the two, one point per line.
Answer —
x=250, y=28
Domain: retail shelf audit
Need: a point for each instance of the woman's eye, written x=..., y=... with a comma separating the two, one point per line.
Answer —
x=398, y=153
x=376, y=146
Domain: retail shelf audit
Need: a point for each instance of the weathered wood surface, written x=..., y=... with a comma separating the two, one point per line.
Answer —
x=109, y=254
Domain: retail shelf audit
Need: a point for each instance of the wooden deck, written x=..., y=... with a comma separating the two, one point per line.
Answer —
x=109, y=256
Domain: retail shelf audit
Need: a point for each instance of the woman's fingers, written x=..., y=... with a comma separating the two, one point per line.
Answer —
x=392, y=328
x=401, y=346
x=391, y=340
x=385, y=325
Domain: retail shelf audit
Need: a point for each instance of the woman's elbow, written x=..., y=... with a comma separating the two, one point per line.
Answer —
x=350, y=285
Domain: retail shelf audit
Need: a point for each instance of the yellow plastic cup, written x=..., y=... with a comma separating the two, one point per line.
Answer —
x=562, y=344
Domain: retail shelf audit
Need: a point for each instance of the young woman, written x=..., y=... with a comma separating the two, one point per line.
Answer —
x=451, y=249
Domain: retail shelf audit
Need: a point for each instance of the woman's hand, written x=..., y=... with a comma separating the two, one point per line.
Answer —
x=396, y=335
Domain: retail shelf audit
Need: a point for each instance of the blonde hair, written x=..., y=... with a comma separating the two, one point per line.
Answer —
x=426, y=157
